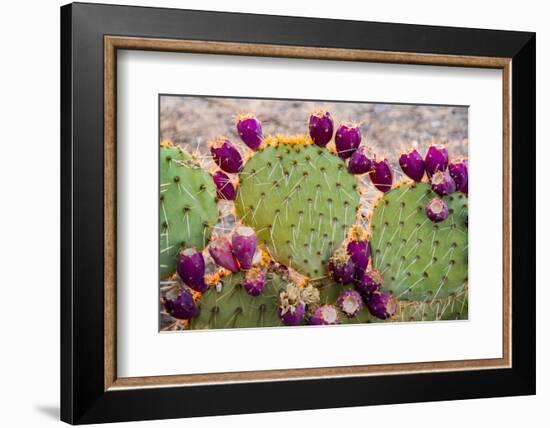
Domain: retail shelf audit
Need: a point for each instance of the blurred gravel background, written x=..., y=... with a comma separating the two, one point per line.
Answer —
x=387, y=128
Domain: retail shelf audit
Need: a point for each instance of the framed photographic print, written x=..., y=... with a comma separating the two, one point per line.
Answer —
x=257, y=207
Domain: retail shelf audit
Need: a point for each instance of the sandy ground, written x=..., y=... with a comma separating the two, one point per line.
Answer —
x=387, y=128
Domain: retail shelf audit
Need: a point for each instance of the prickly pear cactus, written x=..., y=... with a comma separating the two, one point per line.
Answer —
x=233, y=307
x=293, y=232
x=300, y=199
x=188, y=206
x=329, y=293
x=419, y=259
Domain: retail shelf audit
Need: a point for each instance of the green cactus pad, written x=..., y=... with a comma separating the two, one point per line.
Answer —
x=329, y=295
x=301, y=200
x=233, y=307
x=420, y=260
x=450, y=308
x=188, y=206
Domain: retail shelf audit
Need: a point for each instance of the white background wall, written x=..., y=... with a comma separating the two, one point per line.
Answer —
x=29, y=213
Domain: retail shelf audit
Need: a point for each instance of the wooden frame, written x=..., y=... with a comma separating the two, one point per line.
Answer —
x=113, y=43
x=513, y=53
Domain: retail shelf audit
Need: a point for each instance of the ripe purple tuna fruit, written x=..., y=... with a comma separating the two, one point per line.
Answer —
x=382, y=304
x=254, y=281
x=321, y=128
x=350, y=302
x=459, y=172
x=347, y=140
x=437, y=158
x=244, y=246
x=381, y=175
x=221, y=251
x=224, y=186
x=369, y=283
x=191, y=269
x=437, y=210
x=359, y=252
x=341, y=267
x=183, y=306
x=442, y=183
x=226, y=156
x=292, y=315
x=324, y=315
x=250, y=131
x=412, y=164
x=359, y=162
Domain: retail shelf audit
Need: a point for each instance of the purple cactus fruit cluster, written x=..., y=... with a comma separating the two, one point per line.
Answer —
x=235, y=254
x=341, y=267
x=370, y=282
x=254, y=281
x=226, y=156
x=347, y=140
x=183, y=306
x=381, y=175
x=224, y=186
x=359, y=162
x=412, y=164
x=324, y=315
x=459, y=171
x=359, y=253
x=437, y=210
x=350, y=302
x=191, y=269
x=445, y=177
x=321, y=128
x=249, y=129
x=244, y=246
x=437, y=159
x=221, y=251
x=382, y=304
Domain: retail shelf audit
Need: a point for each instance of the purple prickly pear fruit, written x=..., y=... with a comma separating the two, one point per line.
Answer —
x=292, y=307
x=442, y=183
x=224, y=186
x=324, y=315
x=321, y=128
x=341, y=267
x=191, y=269
x=183, y=306
x=350, y=302
x=382, y=304
x=437, y=158
x=359, y=252
x=254, y=281
x=293, y=315
x=250, y=131
x=459, y=172
x=226, y=156
x=347, y=140
x=370, y=282
x=436, y=210
x=412, y=164
x=221, y=251
x=244, y=246
x=359, y=162
x=381, y=175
